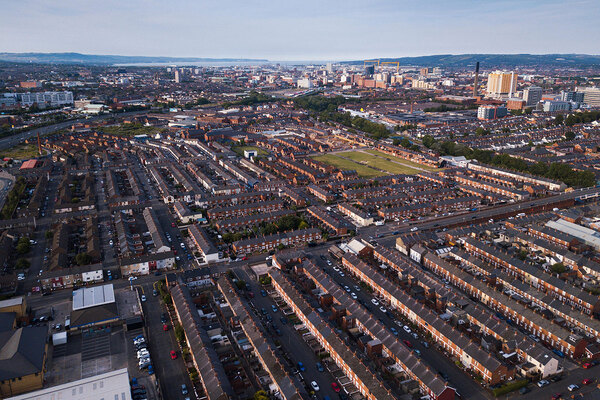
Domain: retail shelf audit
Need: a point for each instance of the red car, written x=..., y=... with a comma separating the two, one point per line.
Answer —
x=336, y=388
x=165, y=327
x=244, y=258
x=587, y=365
x=173, y=224
x=173, y=355
x=587, y=381
x=407, y=343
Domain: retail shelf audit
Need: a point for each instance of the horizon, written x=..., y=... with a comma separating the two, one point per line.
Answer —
x=294, y=31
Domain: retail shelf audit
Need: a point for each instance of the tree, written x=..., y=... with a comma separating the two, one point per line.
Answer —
x=23, y=246
x=83, y=259
x=428, y=141
x=49, y=234
x=558, y=120
x=558, y=268
x=303, y=225
x=569, y=135
x=22, y=263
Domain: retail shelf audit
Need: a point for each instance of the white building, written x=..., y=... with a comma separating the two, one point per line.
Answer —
x=111, y=385
x=305, y=83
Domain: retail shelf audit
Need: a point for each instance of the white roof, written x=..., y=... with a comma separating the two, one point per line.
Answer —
x=11, y=302
x=587, y=235
x=355, y=246
x=109, y=386
x=93, y=296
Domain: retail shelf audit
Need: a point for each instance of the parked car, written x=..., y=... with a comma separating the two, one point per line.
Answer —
x=315, y=387
x=184, y=390
x=336, y=388
x=543, y=383
x=301, y=367
x=173, y=355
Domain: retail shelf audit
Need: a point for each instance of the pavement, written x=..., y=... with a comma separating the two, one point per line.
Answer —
x=294, y=348
x=13, y=140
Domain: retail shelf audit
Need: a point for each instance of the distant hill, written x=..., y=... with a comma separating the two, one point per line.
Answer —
x=497, y=60
x=78, y=58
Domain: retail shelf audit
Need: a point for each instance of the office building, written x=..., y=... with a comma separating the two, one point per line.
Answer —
x=501, y=83
x=554, y=106
x=305, y=83
x=532, y=95
x=491, y=112
x=52, y=99
x=591, y=95
x=576, y=97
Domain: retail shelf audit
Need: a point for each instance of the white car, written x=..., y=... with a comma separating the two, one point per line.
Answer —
x=543, y=383
x=406, y=329
x=382, y=309
x=375, y=302
x=336, y=269
x=21, y=277
x=572, y=388
x=143, y=297
x=353, y=295
x=315, y=387
x=414, y=229
x=143, y=353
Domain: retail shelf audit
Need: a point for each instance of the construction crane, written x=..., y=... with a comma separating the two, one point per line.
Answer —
x=392, y=62
x=371, y=61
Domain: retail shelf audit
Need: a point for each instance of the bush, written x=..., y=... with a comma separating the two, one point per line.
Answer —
x=179, y=333
x=510, y=387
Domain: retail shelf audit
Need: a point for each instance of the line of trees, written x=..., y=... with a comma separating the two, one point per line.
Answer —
x=556, y=171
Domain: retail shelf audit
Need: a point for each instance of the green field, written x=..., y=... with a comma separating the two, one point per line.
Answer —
x=402, y=160
x=380, y=163
x=21, y=152
x=240, y=150
x=343, y=164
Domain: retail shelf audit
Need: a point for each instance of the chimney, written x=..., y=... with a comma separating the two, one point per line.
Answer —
x=476, y=79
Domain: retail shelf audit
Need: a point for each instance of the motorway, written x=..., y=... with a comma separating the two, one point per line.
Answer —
x=13, y=140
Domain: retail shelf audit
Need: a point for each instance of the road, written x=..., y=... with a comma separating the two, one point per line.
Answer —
x=294, y=348
x=13, y=140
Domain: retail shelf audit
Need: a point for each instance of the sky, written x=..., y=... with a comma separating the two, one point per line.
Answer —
x=299, y=30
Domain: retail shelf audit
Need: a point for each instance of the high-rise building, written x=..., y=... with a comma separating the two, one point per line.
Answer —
x=501, y=83
x=329, y=68
x=491, y=112
x=577, y=97
x=178, y=75
x=369, y=70
x=591, y=95
x=532, y=95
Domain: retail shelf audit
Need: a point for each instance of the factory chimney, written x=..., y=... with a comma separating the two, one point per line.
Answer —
x=476, y=79
x=39, y=144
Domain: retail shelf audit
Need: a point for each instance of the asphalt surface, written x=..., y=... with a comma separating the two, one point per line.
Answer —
x=13, y=140
x=294, y=348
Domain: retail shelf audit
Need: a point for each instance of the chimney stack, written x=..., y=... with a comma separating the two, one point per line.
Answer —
x=476, y=79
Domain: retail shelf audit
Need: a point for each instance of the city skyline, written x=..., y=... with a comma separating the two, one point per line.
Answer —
x=305, y=31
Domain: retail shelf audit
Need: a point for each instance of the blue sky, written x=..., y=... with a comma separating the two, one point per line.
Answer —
x=299, y=29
